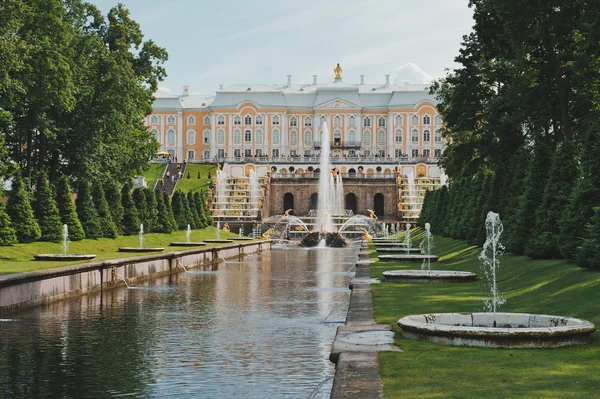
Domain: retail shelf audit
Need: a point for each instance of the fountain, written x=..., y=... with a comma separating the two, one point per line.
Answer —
x=354, y=228
x=285, y=229
x=187, y=242
x=406, y=248
x=65, y=255
x=426, y=246
x=218, y=240
x=141, y=248
x=495, y=329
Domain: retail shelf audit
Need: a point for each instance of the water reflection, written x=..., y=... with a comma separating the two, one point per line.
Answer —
x=260, y=328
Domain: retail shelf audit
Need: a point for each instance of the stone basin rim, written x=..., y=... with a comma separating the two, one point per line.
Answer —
x=62, y=257
x=428, y=274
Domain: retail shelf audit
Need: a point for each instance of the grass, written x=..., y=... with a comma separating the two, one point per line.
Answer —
x=155, y=172
x=426, y=370
x=19, y=258
x=193, y=183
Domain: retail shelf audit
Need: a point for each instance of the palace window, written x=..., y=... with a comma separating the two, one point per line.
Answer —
x=426, y=136
x=337, y=121
x=259, y=120
x=351, y=121
x=415, y=153
x=323, y=120
x=258, y=136
x=248, y=136
x=293, y=137
x=367, y=122
x=398, y=120
x=191, y=154
x=248, y=152
x=248, y=120
x=426, y=152
x=437, y=153
x=237, y=120
x=351, y=135
x=207, y=120
x=237, y=152
x=293, y=121
x=221, y=136
x=275, y=152
x=275, y=136
x=237, y=136
x=381, y=153
x=206, y=137
x=191, y=120
x=438, y=136
x=171, y=137
x=381, y=137
x=276, y=120
x=154, y=120
x=381, y=122
x=367, y=137
x=438, y=120
x=308, y=137
x=398, y=135
x=426, y=120
x=308, y=121
x=258, y=152
x=191, y=136
x=415, y=136
x=414, y=120
x=170, y=120
x=156, y=134
x=220, y=120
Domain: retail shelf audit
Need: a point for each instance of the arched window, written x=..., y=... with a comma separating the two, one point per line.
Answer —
x=275, y=136
x=398, y=135
x=426, y=120
x=248, y=120
x=154, y=120
x=398, y=120
x=237, y=136
x=381, y=122
x=293, y=121
x=170, y=120
x=367, y=137
x=206, y=137
x=308, y=137
x=438, y=120
x=171, y=137
x=248, y=136
x=191, y=136
x=237, y=120
x=367, y=122
x=220, y=120
x=381, y=137
x=207, y=120
x=293, y=137
x=415, y=136
x=221, y=136
x=276, y=120
x=308, y=121
x=258, y=136
x=191, y=120
x=351, y=135
x=438, y=135
x=259, y=120
x=426, y=135
x=337, y=121
x=414, y=120
x=351, y=121
x=156, y=134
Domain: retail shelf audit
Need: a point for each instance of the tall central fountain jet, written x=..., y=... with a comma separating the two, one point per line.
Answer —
x=331, y=189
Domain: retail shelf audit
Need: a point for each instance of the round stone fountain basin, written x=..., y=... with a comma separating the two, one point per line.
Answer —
x=242, y=238
x=186, y=244
x=396, y=250
x=408, y=258
x=218, y=241
x=512, y=330
x=427, y=277
x=62, y=257
x=138, y=249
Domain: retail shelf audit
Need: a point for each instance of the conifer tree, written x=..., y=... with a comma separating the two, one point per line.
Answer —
x=163, y=224
x=20, y=212
x=169, y=210
x=88, y=215
x=208, y=219
x=200, y=209
x=179, y=210
x=7, y=232
x=108, y=229
x=588, y=255
x=66, y=209
x=112, y=192
x=151, y=210
x=139, y=199
x=195, y=219
x=130, y=222
x=45, y=210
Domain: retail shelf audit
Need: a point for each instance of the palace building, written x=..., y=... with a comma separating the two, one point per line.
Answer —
x=381, y=128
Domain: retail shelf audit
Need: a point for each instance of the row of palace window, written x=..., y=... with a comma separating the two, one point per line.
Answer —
x=337, y=120
x=415, y=153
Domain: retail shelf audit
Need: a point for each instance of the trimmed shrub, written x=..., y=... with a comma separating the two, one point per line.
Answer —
x=7, y=232
x=194, y=214
x=108, y=229
x=151, y=211
x=20, y=212
x=588, y=255
x=112, y=192
x=130, y=223
x=45, y=210
x=66, y=209
x=163, y=224
x=88, y=215
x=169, y=210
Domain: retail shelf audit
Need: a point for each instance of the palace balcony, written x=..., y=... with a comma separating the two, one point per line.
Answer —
x=339, y=144
x=315, y=160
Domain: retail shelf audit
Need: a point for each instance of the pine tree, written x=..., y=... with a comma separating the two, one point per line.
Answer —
x=66, y=209
x=139, y=199
x=151, y=210
x=195, y=219
x=208, y=219
x=88, y=215
x=588, y=255
x=7, y=232
x=130, y=222
x=181, y=210
x=200, y=209
x=163, y=224
x=169, y=210
x=112, y=192
x=45, y=210
x=108, y=229
x=20, y=212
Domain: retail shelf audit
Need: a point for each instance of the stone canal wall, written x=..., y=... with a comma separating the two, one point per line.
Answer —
x=24, y=290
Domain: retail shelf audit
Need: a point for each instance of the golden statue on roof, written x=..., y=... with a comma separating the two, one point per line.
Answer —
x=338, y=71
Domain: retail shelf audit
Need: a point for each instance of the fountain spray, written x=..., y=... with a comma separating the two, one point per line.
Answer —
x=407, y=241
x=66, y=241
x=141, y=235
x=490, y=257
x=426, y=247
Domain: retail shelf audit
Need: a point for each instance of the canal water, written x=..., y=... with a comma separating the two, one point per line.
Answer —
x=259, y=328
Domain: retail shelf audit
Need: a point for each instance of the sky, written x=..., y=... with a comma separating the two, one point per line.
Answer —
x=261, y=42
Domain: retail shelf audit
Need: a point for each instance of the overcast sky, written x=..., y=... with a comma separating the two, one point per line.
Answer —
x=260, y=42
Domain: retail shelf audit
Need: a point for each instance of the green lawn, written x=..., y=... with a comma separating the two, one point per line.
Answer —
x=427, y=370
x=155, y=172
x=19, y=258
x=193, y=183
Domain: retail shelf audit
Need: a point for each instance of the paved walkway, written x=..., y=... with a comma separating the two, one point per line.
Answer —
x=358, y=341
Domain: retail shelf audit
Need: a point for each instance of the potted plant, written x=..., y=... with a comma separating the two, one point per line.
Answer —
x=378, y=169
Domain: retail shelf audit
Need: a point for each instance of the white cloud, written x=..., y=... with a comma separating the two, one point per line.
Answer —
x=412, y=73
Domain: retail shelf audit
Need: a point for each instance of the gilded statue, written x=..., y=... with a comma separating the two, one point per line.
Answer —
x=338, y=71
x=372, y=214
x=226, y=227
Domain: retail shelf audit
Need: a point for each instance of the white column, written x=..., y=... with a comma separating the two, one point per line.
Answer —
x=229, y=121
x=213, y=134
x=359, y=131
x=390, y=142
x=284, y=133
x=179, y=143
x=266, y=135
